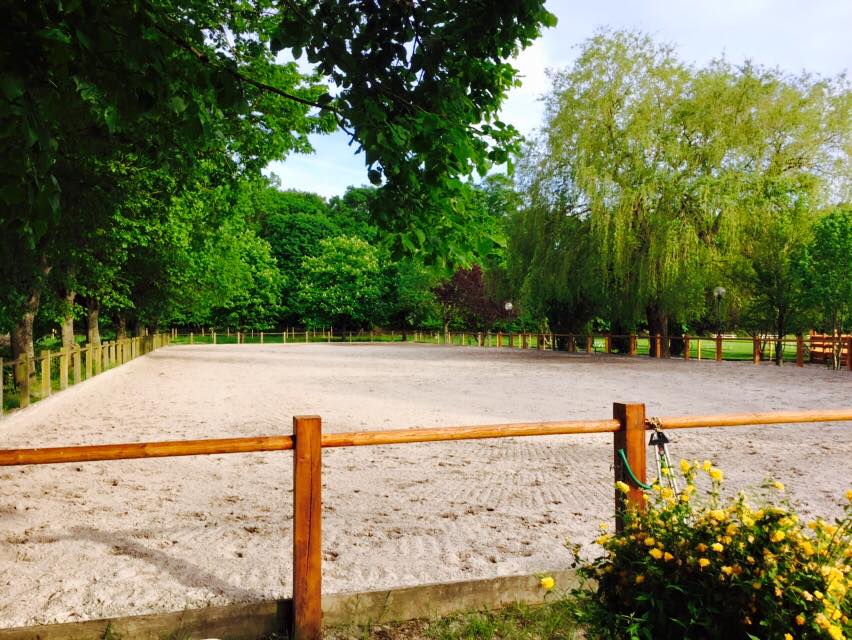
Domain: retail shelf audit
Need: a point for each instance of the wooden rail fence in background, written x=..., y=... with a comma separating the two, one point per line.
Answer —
x=813, y=348
x=35, y=378
x=628, y=426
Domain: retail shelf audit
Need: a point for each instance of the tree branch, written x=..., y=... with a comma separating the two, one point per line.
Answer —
x=204, y=59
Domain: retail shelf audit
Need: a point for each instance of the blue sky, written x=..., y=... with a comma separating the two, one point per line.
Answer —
x=796, y=35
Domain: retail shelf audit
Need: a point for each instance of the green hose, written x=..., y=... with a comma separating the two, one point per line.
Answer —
x=642, y=485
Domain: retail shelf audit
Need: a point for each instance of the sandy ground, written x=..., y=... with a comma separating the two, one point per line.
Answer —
x=131, y=537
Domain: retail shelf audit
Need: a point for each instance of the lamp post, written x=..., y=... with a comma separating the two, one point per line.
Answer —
x=719, y=293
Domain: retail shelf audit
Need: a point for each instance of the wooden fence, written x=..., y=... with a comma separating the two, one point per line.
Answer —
x=29, y=379
x=628, y=426
x=822, y=348
x=715, y=348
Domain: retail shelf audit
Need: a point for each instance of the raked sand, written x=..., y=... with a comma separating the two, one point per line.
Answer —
x=138, y=536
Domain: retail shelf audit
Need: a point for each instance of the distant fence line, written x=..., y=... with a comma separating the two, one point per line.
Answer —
x=814, y=348
x=27, y=379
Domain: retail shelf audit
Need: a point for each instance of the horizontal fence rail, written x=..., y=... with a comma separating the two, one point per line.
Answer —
x=628, y=426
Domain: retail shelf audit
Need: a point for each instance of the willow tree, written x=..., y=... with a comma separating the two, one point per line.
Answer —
x=615, y=133
x=661, y=172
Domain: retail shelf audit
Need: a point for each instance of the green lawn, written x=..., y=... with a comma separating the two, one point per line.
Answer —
x=553, y=621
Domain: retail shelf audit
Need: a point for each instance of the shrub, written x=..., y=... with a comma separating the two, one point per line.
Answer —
x=698, y=566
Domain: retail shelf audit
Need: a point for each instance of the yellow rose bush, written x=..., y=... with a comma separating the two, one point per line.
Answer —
x=697, y=566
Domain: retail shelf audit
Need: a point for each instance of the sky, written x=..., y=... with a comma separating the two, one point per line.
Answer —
x=795, y=35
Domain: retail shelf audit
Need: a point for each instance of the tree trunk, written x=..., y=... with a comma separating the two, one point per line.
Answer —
x=93, y=318
x=837, y=345
x=658, y=323
x=780, y=332
x=68, y=321
x=22, y=336
x=139, y=329
x=121, y=324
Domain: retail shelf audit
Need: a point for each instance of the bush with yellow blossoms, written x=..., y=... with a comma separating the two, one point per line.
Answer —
x=696, y=565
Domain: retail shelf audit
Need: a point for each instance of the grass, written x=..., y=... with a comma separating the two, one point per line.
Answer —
x=552, y=621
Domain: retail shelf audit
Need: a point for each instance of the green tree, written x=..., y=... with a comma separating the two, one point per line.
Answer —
x=342, y=286
x=825, y=270
x=652, y=176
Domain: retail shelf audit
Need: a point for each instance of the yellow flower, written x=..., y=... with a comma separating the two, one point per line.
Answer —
x=650, y=542
x=778, y=485
x=849, y=495
x=718, y=515
x=703, y=562
x=777, y=536
x=787, y=636
x=547, y=583
x=727, y=570
x=656, y=553
x=718, y=548
x=603, y=526
x=800, y=619
x=685, y=468
x=707, y=466
x=622, y=486
x=668, y=557
x=640, y=579
x=835, y=632
x=716, y=474
x=602, y=540
x=701, y=547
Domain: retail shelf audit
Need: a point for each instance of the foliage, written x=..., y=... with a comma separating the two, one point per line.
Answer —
x=721, y=568
x=420, y=85
x=654, y=181
x=825, y=269
x=342, y=285
x=463, y=298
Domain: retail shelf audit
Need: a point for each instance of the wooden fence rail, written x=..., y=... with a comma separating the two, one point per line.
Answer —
x=628, y=426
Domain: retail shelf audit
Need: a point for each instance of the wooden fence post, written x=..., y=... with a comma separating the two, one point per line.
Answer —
x=2, y=383
x=24, y=388
x=63, y=368
x=261, y=337
x=76, y=356
x=718, y=347
x=849, y=353
x=800, y=351
x=499, y=338
x=608, y=343
x=755, y=350
x=632, y=348
x=658, y=346
x=590, y=344
x=45, y=373
x=630, y=438
x=192, y=337
x=686, y=347
x=88, y=360
x=307, y=522
x=213, y=333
